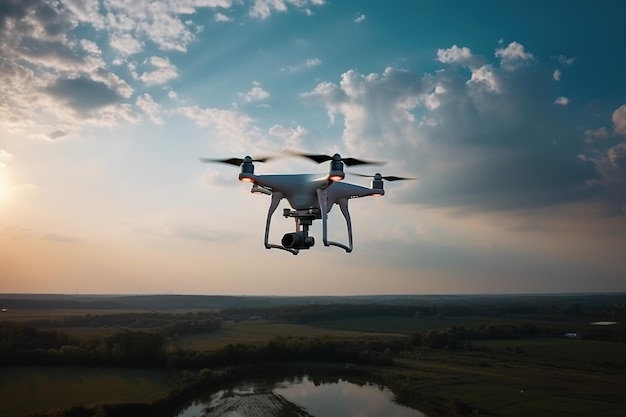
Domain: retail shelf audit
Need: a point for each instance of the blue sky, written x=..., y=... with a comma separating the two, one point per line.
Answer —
x=512, y=115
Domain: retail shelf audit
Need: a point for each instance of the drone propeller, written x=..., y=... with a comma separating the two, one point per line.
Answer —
x=323, y=158
x=235, y=161
x=386, y=178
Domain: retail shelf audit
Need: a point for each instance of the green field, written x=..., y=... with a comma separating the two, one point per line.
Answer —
x=587, y=352
x=410, y=325
x=256, y=331
x=24, y=391
x=540, y=376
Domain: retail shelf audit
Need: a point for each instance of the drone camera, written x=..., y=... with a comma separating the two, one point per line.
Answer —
x=297, y=240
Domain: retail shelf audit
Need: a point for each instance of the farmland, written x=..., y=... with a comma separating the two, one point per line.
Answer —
x=484, y=358
x=26, y=390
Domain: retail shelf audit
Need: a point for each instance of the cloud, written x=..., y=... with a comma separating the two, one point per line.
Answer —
x=617, y=156
x=489, y=140
x=291, y=136
x=82, y=94
x=150, y=108
x=619, y=120
x=235, y=129
x=592, y=135
x=263, y=9
x=513, y=55
x=163, y=72
x=51, y=50
x=485, y=77
x=361, y=17
x=256, y=93
x=125, y=44
x=221, y=17
x=562, y=101
x=454, y=54
x=556, y=75
x=309, y=63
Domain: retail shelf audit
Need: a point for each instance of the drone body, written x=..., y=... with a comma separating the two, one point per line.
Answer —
x=310, y=197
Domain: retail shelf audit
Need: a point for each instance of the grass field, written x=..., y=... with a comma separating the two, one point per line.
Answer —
x=410, y=324
x=542, y=377
x=594, y=352
x=256, y=331
x=24, y=391
x=511, y=388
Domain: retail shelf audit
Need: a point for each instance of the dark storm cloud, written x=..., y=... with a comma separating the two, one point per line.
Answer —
x=19, y=17
x=83, y=94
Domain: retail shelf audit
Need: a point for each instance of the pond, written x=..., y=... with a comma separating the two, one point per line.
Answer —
x=301, y=397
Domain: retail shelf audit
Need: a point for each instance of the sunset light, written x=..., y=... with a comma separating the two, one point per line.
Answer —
x=113, y=113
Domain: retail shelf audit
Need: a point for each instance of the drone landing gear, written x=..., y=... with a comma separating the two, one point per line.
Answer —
x=300, y=239
x=295, y=241
x=322, y=198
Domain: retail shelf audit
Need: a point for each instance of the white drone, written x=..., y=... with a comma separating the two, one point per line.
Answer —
x=310, y=196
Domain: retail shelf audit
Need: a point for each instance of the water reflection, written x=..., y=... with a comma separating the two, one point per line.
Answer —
x=301, y=397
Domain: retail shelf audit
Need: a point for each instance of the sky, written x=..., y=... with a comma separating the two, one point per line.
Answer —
x=511, y=114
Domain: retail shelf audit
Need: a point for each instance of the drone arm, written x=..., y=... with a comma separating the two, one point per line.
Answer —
x=322, y=197
x=276, y=197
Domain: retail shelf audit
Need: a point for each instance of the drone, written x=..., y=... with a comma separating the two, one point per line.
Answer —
x=310, y=196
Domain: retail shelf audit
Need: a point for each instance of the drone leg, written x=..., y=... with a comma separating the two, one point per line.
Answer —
x=276, y=197
x=343, y=204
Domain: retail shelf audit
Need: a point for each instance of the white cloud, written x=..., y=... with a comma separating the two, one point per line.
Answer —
x=150, y=108
x=263, y=9
x=164, y=71
x=513, y=55
x=235, y=129
x=125, y=44
x=309, y=63
x=361, y=17
x=454, y=54
x=556, y=75
x=256, y=93
x=221, y=17
x=485, y=77
x=292, y=136
x=376, y=106
x=562, y=101
x=619, y=120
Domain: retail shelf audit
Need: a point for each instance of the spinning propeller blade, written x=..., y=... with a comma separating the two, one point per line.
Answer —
x=234, y=161
x=319, y=158
x=387, y=178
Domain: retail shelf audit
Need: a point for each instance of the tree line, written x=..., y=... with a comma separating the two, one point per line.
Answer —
x=539, y=309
